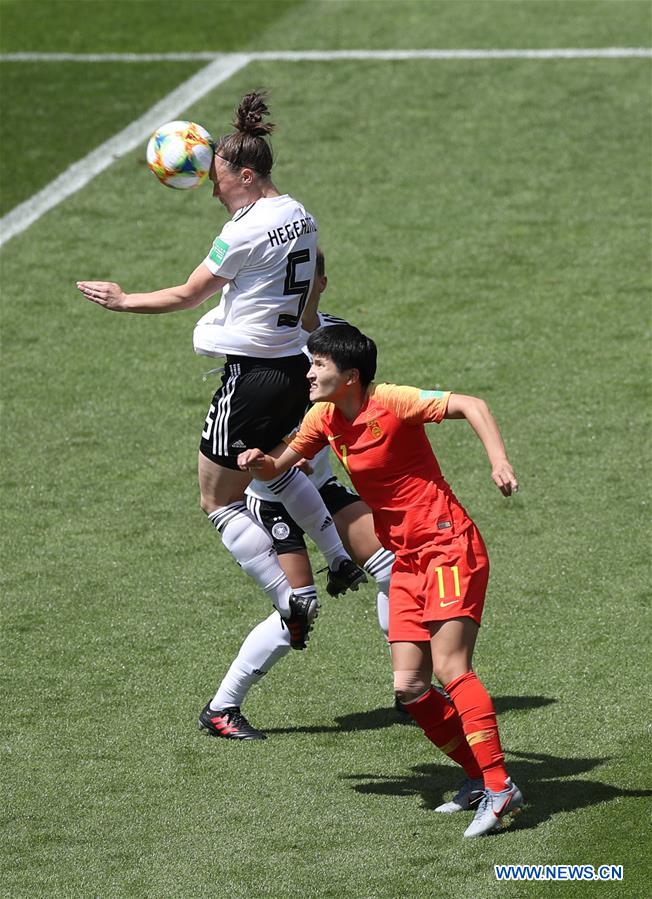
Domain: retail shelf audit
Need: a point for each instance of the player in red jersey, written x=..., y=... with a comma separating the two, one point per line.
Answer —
x=440, y=576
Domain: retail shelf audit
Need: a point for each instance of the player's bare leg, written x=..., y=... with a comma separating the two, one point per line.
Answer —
x=219, y=486
x=355, y=525
x=432, y=711
x=453, y=642
x=412, y=665
x=297, y=569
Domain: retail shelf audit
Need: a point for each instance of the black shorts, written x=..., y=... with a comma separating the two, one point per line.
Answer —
x=285, y=532
x=259, y=402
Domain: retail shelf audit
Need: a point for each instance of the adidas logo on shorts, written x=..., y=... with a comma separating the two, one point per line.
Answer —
x=238, y=444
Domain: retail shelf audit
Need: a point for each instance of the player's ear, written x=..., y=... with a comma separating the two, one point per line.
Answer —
x=353, y=377
x=247, y=175
x=323, y=283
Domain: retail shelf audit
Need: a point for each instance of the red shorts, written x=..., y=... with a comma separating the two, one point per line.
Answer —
x=440, y=581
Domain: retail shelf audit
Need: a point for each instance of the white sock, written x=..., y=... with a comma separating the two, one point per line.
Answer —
x=382, y=609
x=268, y=642
x=252, y=547
x=379, y=567
x=304, y=503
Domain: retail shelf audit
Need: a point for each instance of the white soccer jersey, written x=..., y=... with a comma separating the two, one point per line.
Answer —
x=321, y=466
x=267, y=252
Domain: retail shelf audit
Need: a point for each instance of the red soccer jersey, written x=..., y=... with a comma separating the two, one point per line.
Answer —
x=391, y=463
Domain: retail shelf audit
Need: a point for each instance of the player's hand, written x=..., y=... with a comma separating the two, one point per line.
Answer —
x=251, y=460
x=504, y=478
x=304, y=466
x=104, y=293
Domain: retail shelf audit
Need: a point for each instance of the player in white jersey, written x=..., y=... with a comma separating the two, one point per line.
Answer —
x=269, y=641
x=263, y=262
x=270, y=246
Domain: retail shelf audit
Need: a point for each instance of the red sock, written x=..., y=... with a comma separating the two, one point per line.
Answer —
x=475, y=708
x=441, y=724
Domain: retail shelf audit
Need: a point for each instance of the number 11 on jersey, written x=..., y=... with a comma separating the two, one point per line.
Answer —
x=454, y=570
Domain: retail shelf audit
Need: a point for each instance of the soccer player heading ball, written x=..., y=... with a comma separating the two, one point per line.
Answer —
x=440, y=576
x=263, y=261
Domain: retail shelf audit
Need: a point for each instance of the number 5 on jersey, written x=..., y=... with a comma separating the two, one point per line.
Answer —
x=292, y=287
x=208, y=424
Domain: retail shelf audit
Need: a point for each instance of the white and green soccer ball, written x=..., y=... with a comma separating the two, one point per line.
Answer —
x=180, y=154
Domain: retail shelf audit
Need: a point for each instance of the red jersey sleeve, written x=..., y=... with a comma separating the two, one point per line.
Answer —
x=412, y=405
x=312, y=435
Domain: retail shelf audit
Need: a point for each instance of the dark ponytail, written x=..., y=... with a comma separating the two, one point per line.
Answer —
x=246, y=146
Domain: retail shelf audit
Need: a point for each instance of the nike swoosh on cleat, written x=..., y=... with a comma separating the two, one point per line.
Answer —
x=502, y=810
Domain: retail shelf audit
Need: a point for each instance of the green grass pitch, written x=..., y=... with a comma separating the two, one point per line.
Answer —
x=488, y=223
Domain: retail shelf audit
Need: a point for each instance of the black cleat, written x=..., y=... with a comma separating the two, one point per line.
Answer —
x=347, y=576
x=304, y=610
x=229, y=723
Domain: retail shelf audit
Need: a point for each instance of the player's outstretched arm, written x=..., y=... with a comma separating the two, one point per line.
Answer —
x=201, y=285
x=484, y=424
x=267, y=466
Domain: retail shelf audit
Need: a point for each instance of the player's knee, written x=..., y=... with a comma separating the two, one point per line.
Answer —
x=210, y=503
x=448, y=668
x=250, y=541
x=409, y=685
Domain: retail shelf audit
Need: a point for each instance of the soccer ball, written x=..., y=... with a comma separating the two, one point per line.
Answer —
x=180, y=154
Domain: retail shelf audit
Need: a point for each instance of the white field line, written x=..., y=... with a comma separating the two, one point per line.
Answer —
x=331, y=55
x=221, y=67
x=80, y=173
